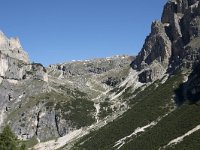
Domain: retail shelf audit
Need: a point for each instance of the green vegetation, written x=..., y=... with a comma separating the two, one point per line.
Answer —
x=147, y=106
x=174, y=125
x=105, y=109
x=78, y=111
x=191, y=142
x=8, y=141
x=72, y=106
x=194, y=43
x=74, y=93
x=31, y=142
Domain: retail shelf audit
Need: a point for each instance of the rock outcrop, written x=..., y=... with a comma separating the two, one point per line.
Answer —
x=155, y=54
x=14, y=61
x=12, y=48
x=17, y=76
x=173, y=41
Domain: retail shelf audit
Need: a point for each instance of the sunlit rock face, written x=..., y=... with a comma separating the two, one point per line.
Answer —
x=173, y=41
x=12, y=48
x=15, y=63
x=17, y=75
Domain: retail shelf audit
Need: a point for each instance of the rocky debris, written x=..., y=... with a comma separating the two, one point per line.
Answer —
x=90, y=67
x=91, y=74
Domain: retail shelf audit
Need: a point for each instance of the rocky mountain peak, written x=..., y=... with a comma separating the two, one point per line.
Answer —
x=15, y=43
x=3, y=39
x=12, y=48
x=172, y=43
x=15, y=64
x=157, y=27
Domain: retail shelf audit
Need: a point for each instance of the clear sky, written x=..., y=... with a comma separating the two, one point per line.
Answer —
x=54, y=31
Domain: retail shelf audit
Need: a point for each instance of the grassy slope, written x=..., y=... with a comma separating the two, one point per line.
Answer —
x=148, y=106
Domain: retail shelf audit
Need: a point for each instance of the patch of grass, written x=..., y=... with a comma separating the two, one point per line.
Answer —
x=72, y=92
x=195, y=43
x=31, y=142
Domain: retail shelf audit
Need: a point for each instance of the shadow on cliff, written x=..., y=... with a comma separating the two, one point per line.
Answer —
x=190, y=90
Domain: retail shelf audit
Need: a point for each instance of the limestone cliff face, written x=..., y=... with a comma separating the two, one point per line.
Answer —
x=173, y=42
x=12, y=48
x=17, y=76
x=15, y=63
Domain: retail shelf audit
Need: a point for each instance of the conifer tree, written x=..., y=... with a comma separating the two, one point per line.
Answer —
x=8, y=140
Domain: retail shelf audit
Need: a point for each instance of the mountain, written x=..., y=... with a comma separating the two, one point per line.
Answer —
x=150, y=101
x=172, y=43
x=163, y=111
x=47, y=103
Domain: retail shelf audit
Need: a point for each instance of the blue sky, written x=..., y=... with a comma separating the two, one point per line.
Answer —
x=54, y=31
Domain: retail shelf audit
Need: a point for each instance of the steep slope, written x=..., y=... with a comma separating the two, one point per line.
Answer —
x=15, y=69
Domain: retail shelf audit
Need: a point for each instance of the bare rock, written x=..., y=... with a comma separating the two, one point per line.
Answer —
x=12, y=48
x=155, y=52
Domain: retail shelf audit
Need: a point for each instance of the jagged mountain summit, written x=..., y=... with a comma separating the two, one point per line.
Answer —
x=150, y=101
x=13, y=48
x=173, y=41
